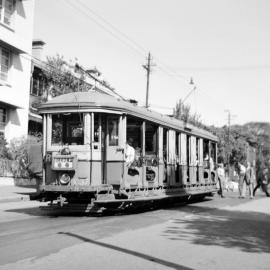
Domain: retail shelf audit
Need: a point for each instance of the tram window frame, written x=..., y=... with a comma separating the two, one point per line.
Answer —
x=96, y=128
x=113, y=134
x=188, y=155
x=151, y=141
x=165, y=144
x=213, y=151
x=67, y=124
x=205, y=149
x=134, y=131
x=177, y=147
x=198, y=161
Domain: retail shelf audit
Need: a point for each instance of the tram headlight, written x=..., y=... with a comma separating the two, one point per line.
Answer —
x=64, y=178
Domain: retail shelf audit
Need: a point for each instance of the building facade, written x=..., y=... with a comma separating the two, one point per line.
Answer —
x=16, y=32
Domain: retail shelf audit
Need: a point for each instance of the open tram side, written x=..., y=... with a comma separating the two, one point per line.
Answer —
x=84, y=148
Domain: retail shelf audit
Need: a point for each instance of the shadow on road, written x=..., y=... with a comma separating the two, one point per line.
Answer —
x=128, y=251
x=246, y=231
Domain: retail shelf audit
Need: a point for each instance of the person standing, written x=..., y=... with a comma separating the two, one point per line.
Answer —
x=248, y=179
x=129, y=152
x=262, y=181
x=242, y=183
x=221, y=179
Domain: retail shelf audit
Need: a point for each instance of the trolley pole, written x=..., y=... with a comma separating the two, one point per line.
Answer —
x=147, y=67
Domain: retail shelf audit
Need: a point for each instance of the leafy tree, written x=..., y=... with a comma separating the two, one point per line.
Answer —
x=3, y=147
x=234, y=142
x=183, y=112
x=62, y=78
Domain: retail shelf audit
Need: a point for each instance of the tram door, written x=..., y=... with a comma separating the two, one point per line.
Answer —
x=114, y=150
x=107, y=150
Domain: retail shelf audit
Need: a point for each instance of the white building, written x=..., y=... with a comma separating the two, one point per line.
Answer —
x=16, y=32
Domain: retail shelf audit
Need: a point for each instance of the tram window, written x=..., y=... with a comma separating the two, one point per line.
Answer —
x=177, y=147
x=67, y=129
x=96, y=129
x=151, y=139
x=188, y=156
x=205, y=149
x=197, y=151
x=165, y=145
x=134, y=131
x=213, y=151
x=188, y=149
x=113, y=130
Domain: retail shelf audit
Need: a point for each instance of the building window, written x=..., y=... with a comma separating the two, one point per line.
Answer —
x=38, y=86
x=4, y=63
x=3, y=118
x=38, y=83
x=7, y=8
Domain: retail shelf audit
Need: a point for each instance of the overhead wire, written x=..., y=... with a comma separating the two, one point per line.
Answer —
x=123, y=38
x=139, y=49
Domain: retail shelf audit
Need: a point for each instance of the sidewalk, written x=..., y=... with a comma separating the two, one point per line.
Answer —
x=9, y=192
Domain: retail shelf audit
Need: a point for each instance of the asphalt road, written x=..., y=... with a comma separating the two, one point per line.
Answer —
x=217, y=233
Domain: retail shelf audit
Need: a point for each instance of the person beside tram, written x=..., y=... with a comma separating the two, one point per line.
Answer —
x=221, y=179
x=249, y=178
x=242, y=183
x=253, y=177
x=129, y=152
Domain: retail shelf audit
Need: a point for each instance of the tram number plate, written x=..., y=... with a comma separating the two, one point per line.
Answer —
x=63, y=163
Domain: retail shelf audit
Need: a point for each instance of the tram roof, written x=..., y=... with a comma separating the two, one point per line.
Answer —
x=95, y=101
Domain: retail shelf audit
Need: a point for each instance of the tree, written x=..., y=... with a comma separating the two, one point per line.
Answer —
x=183, y=112
x=62, y=78
x=3, y=147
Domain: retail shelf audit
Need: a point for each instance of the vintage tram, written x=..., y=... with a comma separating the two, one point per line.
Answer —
x=85, y=138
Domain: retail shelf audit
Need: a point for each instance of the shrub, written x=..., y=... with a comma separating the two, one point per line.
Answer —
x=18, y=152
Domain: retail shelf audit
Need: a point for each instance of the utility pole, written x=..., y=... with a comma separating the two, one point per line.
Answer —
x=230, y=116
x=148, y=67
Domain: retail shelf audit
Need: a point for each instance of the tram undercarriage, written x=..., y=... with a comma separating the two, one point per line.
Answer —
x=105, y=198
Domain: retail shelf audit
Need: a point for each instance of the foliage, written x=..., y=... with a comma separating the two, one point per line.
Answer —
x=183, y=112
x=62, y=78
x=3, y=147
x=234, y=142
x=18, y=152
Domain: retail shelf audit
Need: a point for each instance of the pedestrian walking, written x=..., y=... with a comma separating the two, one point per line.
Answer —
x=221, y=179
x=242, y=183
x=262, y=181
x=249, y=180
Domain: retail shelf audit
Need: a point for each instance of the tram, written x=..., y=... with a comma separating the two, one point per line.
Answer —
x=85, y=137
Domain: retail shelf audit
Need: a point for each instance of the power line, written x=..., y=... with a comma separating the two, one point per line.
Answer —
x=113, y=27
x=140, y=47
x=131, y=44
x=103, y=27
x=140, y=50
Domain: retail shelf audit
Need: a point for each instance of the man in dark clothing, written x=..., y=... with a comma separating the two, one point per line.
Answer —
x=262, y=181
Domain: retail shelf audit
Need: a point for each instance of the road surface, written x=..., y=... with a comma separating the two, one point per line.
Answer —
x=229, y=233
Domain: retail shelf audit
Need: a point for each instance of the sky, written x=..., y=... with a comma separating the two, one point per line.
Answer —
x=224, y=45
